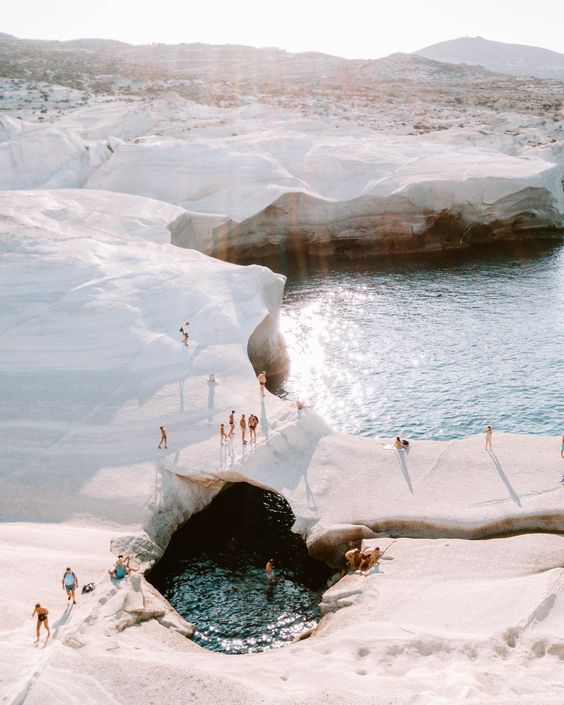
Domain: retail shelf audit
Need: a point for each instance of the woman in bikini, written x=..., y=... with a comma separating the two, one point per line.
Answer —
x=42, y=619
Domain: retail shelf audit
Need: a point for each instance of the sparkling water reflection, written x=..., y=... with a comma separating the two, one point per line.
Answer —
x=432, y=347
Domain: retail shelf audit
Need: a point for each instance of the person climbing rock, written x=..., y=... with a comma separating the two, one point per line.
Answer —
x=70, y=583
x=368, y=558
x=163, y=437
x=42, y=619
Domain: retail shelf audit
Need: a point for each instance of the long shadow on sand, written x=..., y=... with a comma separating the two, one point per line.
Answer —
x=400, y=455
x=514, y=496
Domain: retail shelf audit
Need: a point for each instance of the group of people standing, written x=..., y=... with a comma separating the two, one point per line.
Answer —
x=251, y=423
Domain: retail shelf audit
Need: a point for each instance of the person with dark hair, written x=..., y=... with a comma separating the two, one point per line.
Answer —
x=222, y=434
x=243, y=425
x=489, y=436
x=232, y=424
x=42, y=619
x=121, y=568
x=184, y=331
x=70, y=583
x=253, y=423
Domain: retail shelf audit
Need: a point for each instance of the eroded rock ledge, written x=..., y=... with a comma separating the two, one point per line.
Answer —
x=297, y=224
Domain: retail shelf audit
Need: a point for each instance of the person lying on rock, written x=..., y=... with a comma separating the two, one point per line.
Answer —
x=121, y=568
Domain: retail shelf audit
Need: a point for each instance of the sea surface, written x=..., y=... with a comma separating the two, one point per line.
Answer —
x=433, y=346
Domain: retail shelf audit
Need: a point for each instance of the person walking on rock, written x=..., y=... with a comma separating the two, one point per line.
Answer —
x=70, y=584
x=262, y=382
x=489, y=436
x=232, y=424
x=42, y=619
x=163, y=437
x=243, y=425
x=222, y=434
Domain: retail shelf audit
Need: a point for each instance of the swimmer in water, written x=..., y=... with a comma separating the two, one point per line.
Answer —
x=269, y=571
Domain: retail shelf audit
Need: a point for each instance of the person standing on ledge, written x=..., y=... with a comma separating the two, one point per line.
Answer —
x=253, y=423
x=489, y=435
x=163, y=437
x=269, y=570
x=262, y=382
x=70, y=583
x=222, y=434
x=42, y=619
x=184, y=331
x=232, y=424
x=243, y=425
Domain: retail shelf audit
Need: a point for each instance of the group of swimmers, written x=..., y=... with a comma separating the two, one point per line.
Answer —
x=69, y=584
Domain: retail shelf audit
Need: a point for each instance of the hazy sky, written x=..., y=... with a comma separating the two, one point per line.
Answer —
x=351, y=28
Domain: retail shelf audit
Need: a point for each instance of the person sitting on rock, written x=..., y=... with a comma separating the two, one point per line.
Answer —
x=121, y=568
x=368, y=558
x=352, y=557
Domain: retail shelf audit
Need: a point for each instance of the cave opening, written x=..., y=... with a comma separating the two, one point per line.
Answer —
x=213, y=573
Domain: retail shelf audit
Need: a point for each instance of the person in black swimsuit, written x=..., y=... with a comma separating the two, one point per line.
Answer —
x=42, y=618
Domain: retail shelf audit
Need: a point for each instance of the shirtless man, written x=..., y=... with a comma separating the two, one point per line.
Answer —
x=163, y=437
x=269, y=570
x=262, y=382
x=223, y=435
x=398, y=443
x=184, y=331
x=231, y=424
x=489, y=436
x=42, y=619
x=253, y=423
x=243, y=425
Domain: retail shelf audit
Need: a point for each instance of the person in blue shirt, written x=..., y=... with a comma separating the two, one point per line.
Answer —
x=70, y=583
x=121, y=568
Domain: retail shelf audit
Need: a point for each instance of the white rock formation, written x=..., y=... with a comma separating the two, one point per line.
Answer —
x=254, y=181
x=91, y=363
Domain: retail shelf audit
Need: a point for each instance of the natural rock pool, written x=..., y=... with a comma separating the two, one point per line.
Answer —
x=430, y=346
x=213, y=573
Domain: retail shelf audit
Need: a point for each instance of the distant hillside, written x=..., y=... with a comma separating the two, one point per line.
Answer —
x=514, y=59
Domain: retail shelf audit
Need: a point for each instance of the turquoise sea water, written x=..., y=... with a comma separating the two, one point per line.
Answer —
x=431, y=346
